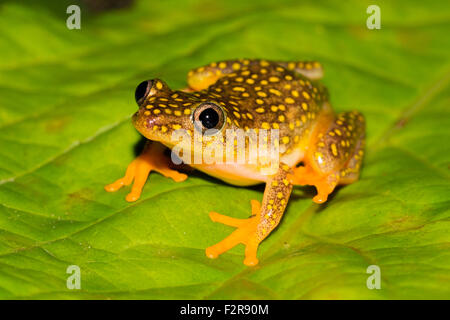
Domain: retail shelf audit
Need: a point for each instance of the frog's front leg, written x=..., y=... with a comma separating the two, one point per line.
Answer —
x=151, y=158
x=334, y=155
x=264, y=219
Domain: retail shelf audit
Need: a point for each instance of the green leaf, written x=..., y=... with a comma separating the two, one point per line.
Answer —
x=66, y=97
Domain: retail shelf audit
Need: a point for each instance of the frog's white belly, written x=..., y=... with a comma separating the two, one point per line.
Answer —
x=245, y=174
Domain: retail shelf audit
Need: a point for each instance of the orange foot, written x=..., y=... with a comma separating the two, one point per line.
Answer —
x=245, y=234
x=152, y=158
x=324, y=184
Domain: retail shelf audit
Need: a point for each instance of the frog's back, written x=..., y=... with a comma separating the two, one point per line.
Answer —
x=269, y=95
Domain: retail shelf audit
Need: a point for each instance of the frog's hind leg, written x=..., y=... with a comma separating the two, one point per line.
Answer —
x=202, y=77
x=152, y=158
x=334, y=156
x=311, y=69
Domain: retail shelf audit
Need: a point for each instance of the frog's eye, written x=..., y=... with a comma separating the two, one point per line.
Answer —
x=142, y=90
x=210, y=116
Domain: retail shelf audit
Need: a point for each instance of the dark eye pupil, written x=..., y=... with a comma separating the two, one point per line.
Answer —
x=141, y=90
x=209, y=118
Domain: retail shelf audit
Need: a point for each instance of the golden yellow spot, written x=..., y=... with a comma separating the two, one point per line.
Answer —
x=260, y=110
x=263, y=82
x=274, y=79
x=275, y=91
x=236, y=66
x=263, y=71
x=305, y=106
x=285, y=167
x=239, y=89
x=250, y=81
x=287, y=86
x=168, y=111
x=259, y=101
x=265, y=125
x=149, y=106
x=147, y=113
x=155, y=128
x=321, y=144
x=286, y=182
x=343, y=143
x=296, y=139
x=274, y=108
x=289, y=100
x=288, y=77
x=222, y=65
x=257, y=88
x=249, y=115
x=162, y=105
x=237, y=115
x=263, y=63
x=285, y=140
x=282, y=107
x=331, y=133
x=274, y=183
x=163, y=128
x=245, y=94
x=306, y=95
x=159, y=85
x=291, y=126
x=294, y=93
x=176, y=126
x=334, y=149
x=236, y=122
x=177, y=112
x=291, y=65
x=187, y=111
x=281, y=118
x=239, y=79
x=173, y=105
x=156, y=111
x=338, y=132
x=318, y=155
x=275, y=125
x=279, y=195
x=269, y=207
x=262, y=94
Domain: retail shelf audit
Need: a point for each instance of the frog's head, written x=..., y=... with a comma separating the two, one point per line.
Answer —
x=162, y=111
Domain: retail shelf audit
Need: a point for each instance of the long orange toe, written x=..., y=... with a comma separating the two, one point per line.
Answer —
x=245, y=234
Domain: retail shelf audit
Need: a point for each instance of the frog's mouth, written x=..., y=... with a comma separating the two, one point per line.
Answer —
x=145, y=125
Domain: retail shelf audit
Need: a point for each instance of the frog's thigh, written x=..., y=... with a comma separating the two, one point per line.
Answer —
x=310, y=69
x=202, y=77
x=334, y=156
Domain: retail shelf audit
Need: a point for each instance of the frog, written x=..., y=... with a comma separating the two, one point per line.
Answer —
x=316, y=146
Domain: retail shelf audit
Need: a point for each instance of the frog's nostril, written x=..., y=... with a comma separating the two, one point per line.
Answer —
x=142, y=90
